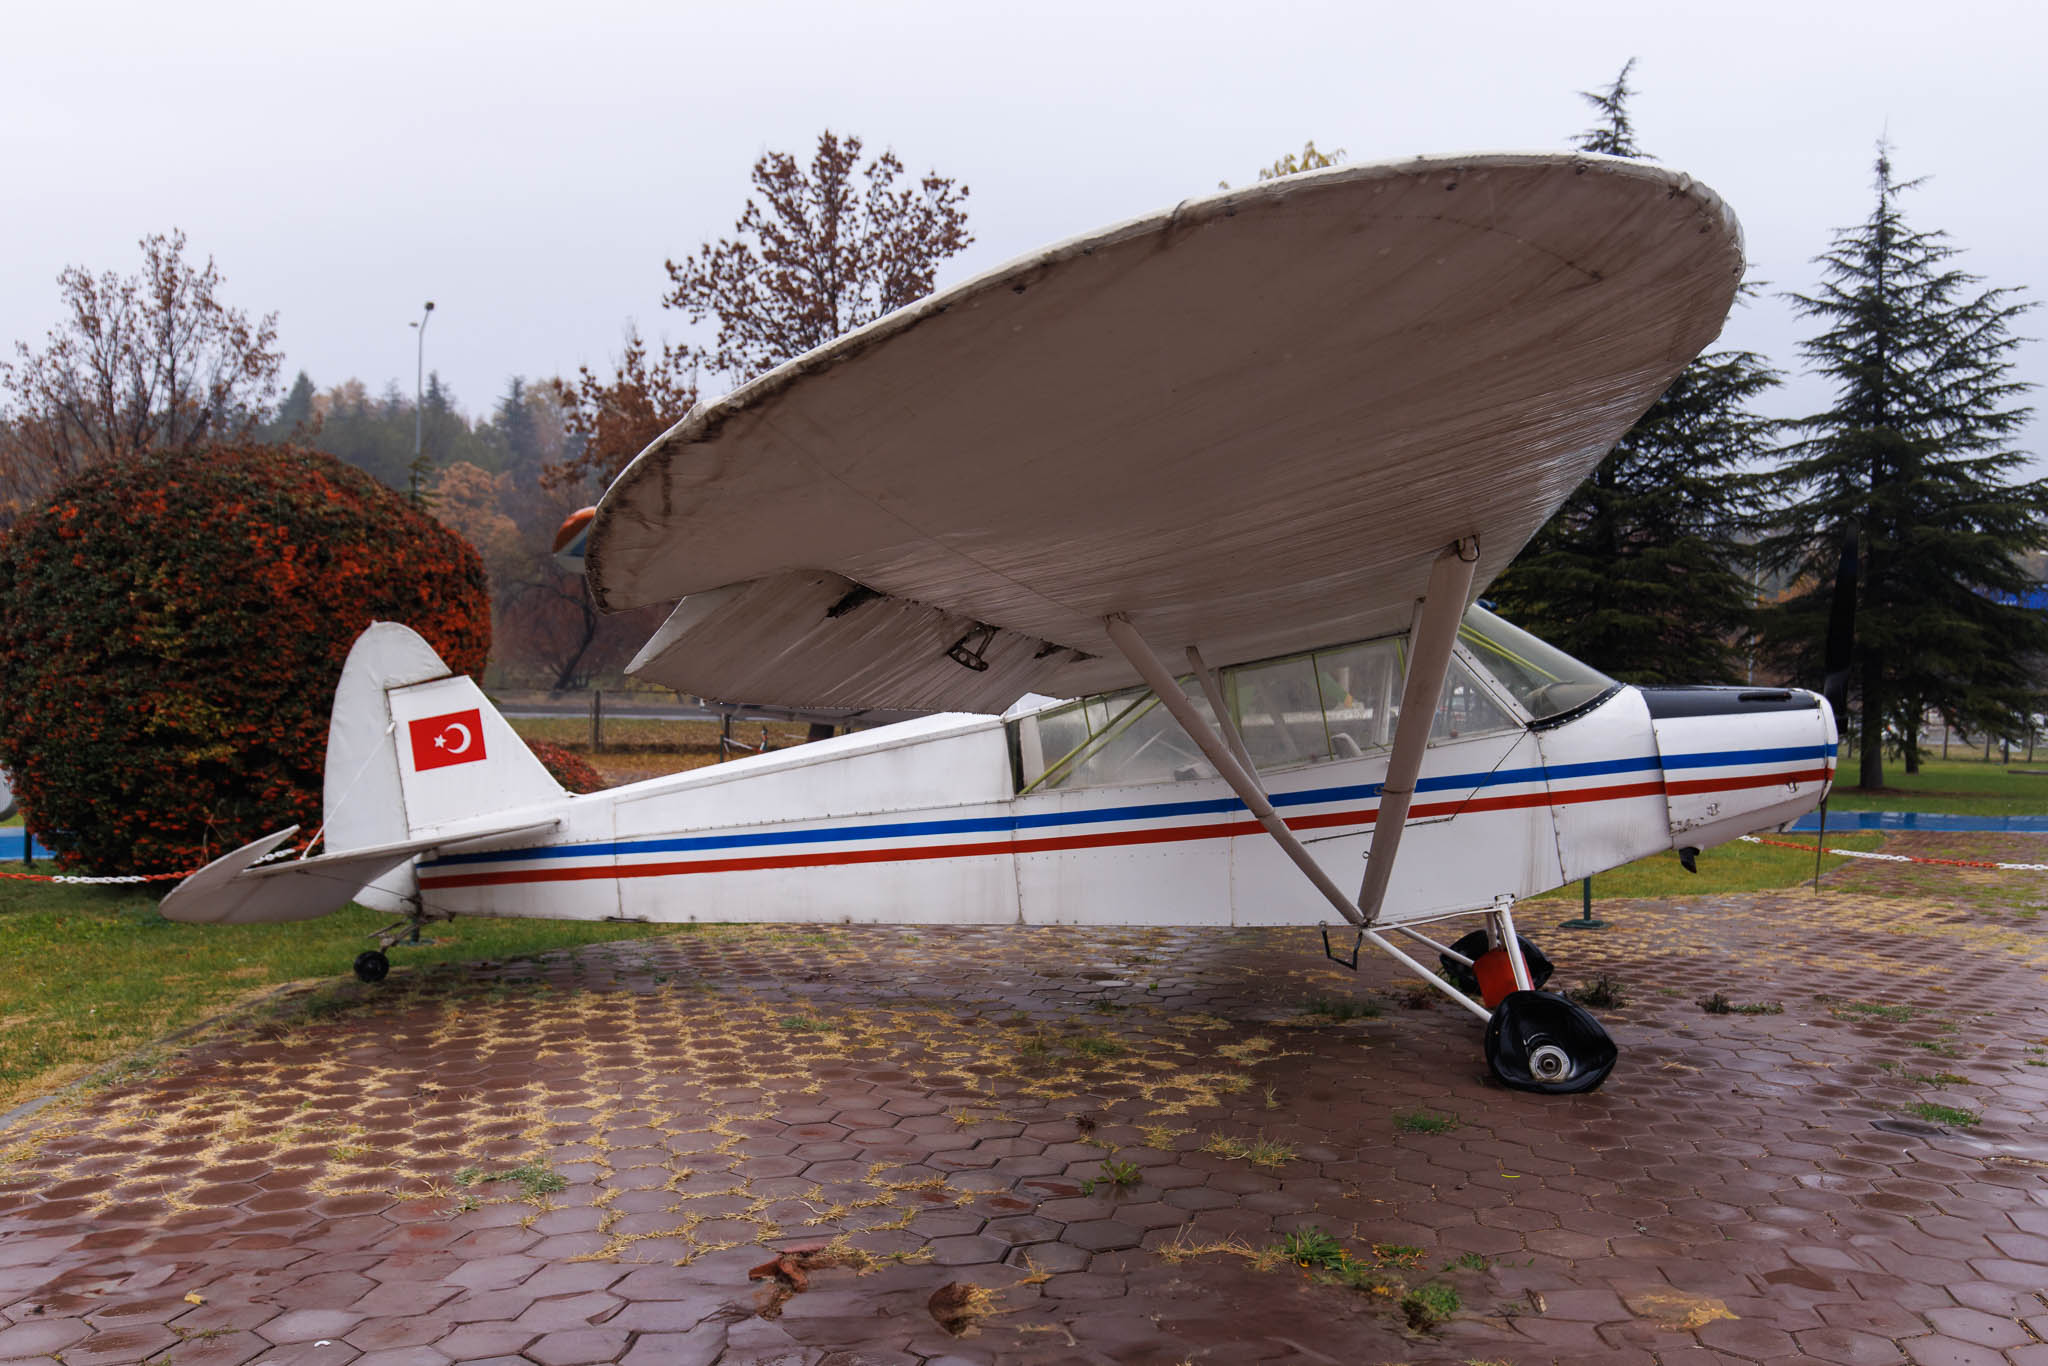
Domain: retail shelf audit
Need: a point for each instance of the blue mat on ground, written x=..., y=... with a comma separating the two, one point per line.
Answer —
x=1924, y=820
x=10, y=845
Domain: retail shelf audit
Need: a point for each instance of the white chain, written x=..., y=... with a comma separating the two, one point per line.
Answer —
x=1908, y=858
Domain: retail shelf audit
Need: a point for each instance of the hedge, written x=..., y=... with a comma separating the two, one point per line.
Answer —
x=171, y=631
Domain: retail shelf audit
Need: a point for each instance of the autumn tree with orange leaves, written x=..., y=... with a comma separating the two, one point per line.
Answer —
x=141, y=363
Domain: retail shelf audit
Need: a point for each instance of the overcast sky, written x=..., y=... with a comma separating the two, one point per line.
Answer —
x=529, y=166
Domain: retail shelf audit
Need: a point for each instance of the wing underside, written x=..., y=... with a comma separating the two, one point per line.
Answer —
x=1251, y=424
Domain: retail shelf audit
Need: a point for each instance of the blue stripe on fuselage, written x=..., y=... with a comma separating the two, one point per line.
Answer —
x=983, y=825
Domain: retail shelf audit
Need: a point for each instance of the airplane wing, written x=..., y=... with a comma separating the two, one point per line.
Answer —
x=1251, y=423
x=234, y=890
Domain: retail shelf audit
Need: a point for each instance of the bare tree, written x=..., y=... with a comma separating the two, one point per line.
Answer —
x=147, y=362
x=817, y=253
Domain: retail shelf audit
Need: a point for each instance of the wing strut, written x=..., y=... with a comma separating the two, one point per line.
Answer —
x=1429, y=659
x=1243, y=781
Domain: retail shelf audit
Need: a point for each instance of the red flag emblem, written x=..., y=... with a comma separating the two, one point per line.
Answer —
x=456, y=738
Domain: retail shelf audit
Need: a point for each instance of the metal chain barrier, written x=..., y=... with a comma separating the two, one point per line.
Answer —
x=1901, y=858
x=128, y=878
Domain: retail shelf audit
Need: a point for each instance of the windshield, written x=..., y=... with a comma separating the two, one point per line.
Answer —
x=1544, y=679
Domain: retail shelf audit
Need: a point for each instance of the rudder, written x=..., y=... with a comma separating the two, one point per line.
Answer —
x=413, y=748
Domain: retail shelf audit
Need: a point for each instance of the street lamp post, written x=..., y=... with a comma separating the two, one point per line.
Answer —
x=419, y=381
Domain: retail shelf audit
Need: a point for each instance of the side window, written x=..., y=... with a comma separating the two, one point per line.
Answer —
x=1467, y=708
x=1279, y=711
x=1361, y=690
x=1343, y=703
x=1145, y=746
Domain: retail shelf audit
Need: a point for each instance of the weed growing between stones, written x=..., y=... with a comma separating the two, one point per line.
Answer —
x=1944, y=1114
x=1424, y=1122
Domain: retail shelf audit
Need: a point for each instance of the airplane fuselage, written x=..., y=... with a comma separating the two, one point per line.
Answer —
x=922, y=822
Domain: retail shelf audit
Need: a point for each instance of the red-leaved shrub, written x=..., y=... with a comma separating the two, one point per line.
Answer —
x=568, y=768
x=171, y=631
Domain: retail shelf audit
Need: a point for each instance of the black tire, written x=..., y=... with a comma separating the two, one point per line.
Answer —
x=1476, y=943
x=1538, y=1041
x=372, y=966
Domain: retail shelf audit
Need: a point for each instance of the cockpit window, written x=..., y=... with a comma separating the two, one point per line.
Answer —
x=1544, y=679
x=1340, y=703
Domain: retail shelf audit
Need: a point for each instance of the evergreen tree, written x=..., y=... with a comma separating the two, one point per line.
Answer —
x=1643, y=571
x=293, y=420
x=516, y=427
x=1616, y=136
x=1913, y=466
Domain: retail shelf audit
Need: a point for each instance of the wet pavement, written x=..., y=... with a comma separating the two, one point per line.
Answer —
x=1068, y=1146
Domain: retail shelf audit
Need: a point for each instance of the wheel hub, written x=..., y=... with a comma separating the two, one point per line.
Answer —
x=1550, y=1063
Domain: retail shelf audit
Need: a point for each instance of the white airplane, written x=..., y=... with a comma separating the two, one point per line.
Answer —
x=1287, y=434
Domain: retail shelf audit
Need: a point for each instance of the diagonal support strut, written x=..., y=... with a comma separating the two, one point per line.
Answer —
x=1429, y=660
x=1213, y=746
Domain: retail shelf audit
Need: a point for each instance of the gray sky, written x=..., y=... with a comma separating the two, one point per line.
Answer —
x=529, y=166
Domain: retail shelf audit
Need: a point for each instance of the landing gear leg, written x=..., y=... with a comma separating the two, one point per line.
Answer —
x=373, y=965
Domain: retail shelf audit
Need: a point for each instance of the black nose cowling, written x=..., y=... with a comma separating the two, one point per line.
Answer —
x=1667, y=702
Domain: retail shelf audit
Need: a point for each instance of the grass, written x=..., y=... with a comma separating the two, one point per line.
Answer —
x=1959, y=786
x=637, y=748
x=91, y=974
x=1724, y=869
x=1428, y=1305
x=1602, y=993
x=1944, y=1114
x=1260, y=1151
x=1871, y=1010
x=1719, y=1004
x=1339, y=1009
x=1424, y=1122
x=535, y=1180
x=1115, y=1175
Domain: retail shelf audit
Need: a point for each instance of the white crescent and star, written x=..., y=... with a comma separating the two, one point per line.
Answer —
x=441, y=740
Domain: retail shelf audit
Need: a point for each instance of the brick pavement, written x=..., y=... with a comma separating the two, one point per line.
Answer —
x=1086, y=1145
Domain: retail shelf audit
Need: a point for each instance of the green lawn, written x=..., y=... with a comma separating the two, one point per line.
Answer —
x=91, y=974
x=1957, y=786
x=1732, y=867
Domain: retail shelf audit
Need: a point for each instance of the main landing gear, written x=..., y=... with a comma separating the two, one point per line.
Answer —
x=1539, y=1041
x=1535, y=1040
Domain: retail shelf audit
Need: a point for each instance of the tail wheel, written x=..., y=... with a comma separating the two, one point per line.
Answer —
x=1538, y=1041
x=372, y=966
x=1476, y=943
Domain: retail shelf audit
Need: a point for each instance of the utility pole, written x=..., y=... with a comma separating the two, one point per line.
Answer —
x=419, y=382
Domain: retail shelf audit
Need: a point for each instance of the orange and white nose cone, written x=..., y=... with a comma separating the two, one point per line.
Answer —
x=572, y=537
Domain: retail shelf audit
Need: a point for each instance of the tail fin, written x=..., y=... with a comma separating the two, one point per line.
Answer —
x=413, y=748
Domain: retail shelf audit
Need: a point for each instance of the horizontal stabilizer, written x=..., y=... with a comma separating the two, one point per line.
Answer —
x=231, y=890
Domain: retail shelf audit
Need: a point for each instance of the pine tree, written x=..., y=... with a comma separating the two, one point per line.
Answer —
x=293, y=420
x=1644, y=570
x=516, y=427
x=1914, y=466
x=1616, y=137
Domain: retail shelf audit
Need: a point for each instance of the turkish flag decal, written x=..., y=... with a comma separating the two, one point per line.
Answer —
x=456, y=738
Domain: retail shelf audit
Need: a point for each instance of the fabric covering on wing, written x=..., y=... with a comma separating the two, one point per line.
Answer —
x=750, y=640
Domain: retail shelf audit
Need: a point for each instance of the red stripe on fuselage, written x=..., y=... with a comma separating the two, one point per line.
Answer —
x=1171, y=834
